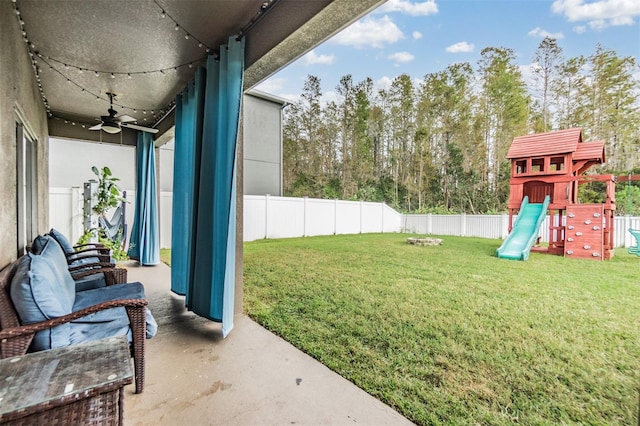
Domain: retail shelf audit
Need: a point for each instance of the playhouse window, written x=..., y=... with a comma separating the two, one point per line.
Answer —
x=521, y=166
x=557, y=164
x=537, y=165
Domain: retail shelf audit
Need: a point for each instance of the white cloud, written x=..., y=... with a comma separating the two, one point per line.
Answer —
x=271, y=85
x=417, y=35
x=539, y=32
x=275, y=86
x=421, y=8
x=598, y=14
x=312, y=58
x=401, y=57
x=579, y=29
x=383, y=83
x=291, y=97
x=328, y=97
x=461, y=47
x=598, y=24
x=369, y=32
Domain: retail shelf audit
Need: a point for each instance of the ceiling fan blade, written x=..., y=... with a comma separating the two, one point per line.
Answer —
x=124, y=118
x=96, y=127
x=136, y=127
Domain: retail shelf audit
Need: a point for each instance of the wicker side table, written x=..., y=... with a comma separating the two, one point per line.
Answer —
x=80, y=384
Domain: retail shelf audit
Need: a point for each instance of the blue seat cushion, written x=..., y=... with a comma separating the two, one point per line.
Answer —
x=35, y=294
x=90, y=282
x=99, y=325
x=84, y=260
x=112, y=321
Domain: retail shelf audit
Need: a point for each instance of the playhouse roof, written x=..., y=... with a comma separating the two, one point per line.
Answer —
x=549, y=143
x=593, y=151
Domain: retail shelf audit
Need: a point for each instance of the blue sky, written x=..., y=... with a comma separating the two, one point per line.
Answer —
x=420, y=37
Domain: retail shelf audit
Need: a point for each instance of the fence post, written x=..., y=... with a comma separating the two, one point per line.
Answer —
x=304, y=216
x=266, y=216
x=463, y=225
x=77, y=202
x=335, y=216
x=505, y=226
x=627, y=235
x=361, y=216
x=429, y=224
x=382, y=217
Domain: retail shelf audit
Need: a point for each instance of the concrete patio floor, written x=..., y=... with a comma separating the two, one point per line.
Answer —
x=194, y=377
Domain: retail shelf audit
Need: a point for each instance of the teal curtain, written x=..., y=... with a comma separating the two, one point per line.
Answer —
x=144, y=243
x=186, y=161
x=205, y=236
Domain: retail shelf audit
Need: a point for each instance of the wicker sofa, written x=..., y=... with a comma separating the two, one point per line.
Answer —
x=40, y=309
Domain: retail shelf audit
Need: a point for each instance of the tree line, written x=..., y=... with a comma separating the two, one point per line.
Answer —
x=441, y=145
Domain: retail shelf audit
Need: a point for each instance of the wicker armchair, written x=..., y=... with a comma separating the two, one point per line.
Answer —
x=84, y=269
x=16, y=338
x=80, y=253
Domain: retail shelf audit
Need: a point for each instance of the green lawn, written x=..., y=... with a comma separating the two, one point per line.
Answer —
x=165, y=256
x=453, y=335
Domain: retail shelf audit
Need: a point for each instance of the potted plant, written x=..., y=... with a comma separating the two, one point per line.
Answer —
x=107, y=196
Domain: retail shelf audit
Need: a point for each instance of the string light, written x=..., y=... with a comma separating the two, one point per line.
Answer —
x=114, y=74
x=188, y=34
x=265, y=7
x=30, y=47
x=97, y=96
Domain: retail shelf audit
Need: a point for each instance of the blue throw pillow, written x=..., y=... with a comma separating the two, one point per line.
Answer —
x=34, y=293
x=62, y=240
x=52, y=253
x=38, y=244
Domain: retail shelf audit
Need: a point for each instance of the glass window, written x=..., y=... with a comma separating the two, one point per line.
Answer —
x=26, y=181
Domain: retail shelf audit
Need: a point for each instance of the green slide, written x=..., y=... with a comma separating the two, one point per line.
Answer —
x=525, y=230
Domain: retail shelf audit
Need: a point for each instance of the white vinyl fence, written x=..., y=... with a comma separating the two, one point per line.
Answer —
x=285, y=217
x=66, y=211
x=497, y=226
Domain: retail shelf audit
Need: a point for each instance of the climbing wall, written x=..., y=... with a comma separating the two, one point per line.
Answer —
x=584, y=232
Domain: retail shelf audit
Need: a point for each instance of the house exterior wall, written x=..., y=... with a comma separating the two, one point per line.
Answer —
x=19, y=97
x=71, y=162
x=261, y=149
x=262, y=146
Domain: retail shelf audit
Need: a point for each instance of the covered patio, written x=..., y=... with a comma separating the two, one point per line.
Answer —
x=195, y=377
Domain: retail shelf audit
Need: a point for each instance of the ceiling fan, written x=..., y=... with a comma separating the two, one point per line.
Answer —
x=114, y=124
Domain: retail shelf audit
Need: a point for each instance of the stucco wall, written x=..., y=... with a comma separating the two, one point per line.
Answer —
x=18, y=91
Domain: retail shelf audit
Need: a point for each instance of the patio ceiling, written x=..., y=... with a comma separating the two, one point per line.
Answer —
x=145, y=51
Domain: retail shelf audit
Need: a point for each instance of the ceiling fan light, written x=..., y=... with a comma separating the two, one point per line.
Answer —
x=111, y=128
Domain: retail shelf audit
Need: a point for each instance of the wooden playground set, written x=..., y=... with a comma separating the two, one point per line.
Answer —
x=546, y=171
